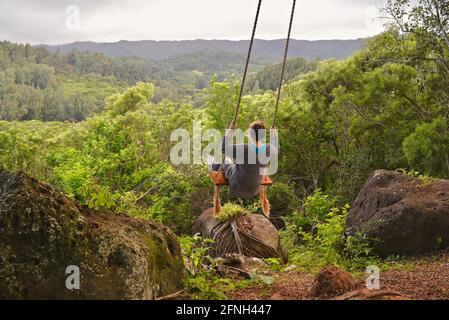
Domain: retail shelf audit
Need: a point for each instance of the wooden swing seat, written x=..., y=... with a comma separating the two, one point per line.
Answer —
x=219, y=179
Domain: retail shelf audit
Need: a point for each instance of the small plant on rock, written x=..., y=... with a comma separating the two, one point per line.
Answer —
x=231, y=210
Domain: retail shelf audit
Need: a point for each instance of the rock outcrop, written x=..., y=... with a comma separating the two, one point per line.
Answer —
x=404, y=215
x=42, y=232
x=251, y=235
x=372, y=294
x=332, y=281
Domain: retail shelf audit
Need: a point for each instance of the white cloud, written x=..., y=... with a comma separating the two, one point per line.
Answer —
x=112, y=20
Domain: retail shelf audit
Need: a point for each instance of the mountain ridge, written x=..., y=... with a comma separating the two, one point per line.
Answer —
x=270, y=50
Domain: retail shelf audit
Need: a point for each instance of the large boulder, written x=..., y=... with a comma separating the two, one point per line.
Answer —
x=404, y=215
x=42, y=232
x=251, y=235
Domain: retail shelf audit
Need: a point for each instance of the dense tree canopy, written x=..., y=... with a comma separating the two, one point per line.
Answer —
x=38, y=85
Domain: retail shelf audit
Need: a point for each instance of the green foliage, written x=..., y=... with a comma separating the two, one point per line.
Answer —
x=349, y=118
x=381, y=108
x=195, y=252
x=231, y=210
x=133, y=98
x=284, y=198
x=91, y=88
x=202, y=282
x=425, y=180
x=119, y=161
x=268, y=78
x=99, y=197
x=168, y=198
x=38, y=84
x=24, y=146
x=324, y=244
x=199, y=288
x=274, y=264
x=316, y=209
x=220, y=103
x=318, y=206
x=427, y=149
x=72, y=171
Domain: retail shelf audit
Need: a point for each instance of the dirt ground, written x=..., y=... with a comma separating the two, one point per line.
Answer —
x=427, y=278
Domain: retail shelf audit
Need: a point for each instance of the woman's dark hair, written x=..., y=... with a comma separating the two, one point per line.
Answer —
x=257, y=130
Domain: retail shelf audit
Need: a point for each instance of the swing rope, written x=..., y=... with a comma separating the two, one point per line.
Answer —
x=248, y=58
x=245, y=72
x=284, y=63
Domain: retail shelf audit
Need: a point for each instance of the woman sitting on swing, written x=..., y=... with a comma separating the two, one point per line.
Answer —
x=247, y=178
x=246, y=172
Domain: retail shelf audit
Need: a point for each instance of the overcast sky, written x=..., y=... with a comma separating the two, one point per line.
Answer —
x=55, y=22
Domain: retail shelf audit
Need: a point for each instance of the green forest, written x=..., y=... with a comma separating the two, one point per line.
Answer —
x=99, y=128
x=39, y=85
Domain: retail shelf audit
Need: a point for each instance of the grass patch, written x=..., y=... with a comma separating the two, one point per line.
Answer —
x=231, y=211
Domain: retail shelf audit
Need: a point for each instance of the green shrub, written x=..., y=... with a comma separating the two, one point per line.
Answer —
x=274, y=264
x=427, y=149
x=324, y=243
x=231, y=210
x=316, y=209
x=166, y=195
x=201, y=283
x=283, y=197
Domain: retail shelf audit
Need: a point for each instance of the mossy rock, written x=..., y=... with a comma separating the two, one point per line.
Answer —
x=401, y=214
x=42, y=232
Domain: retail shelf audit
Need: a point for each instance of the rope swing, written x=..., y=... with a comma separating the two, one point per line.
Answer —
x=218, y=177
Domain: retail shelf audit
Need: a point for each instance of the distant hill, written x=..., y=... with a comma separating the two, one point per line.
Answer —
x=269, y=50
